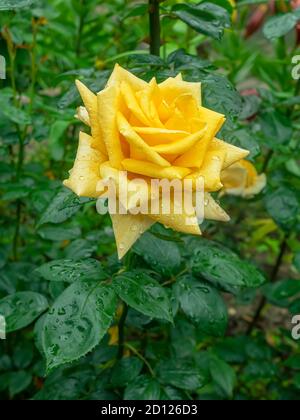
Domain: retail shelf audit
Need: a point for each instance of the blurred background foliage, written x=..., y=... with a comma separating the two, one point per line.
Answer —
x=54, y=246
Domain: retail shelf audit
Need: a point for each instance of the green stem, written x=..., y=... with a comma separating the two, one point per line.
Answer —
x=140, y=356
x=121, y=331
x=273, y=278
x=154, y=22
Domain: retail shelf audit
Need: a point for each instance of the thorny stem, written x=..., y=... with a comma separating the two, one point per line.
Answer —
x=273, y=279
x=154, y=23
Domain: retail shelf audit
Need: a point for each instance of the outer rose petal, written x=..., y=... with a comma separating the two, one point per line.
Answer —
x=177, y=222
x=108, y=105
x=127, y=230
x=90, y=102
x=83, y=116
x=212, y=210
x=121, y=75
x=85, y=175
x=233, y=154
x=210, y=171
x=173, y=87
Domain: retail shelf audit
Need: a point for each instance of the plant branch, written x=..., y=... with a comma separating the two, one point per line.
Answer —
x=154, y=23
x=273, y=279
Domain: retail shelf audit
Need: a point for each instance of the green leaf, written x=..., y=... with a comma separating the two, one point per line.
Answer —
x=181, y=60
x=162, y=256
x=144, y=294
x=220, y=95
x=203, y=305
x=283, y=206
x=182, y=374
x=276, y=128
x=18, y=382
x=21, y=309
x=64, y=205
x=206, y=18
x=125, y=371
x=293, y=362
x=281, y=292
x=223, y=375
x=223, y=268
x=250, y=2
x=143, y=388
x=245, y=139
x=59, y=233
x=56, y=144
x=280, y=25
x=134, y=10
x=297, y=261
x=69, y=270
x=15, y=4
x=77, y=321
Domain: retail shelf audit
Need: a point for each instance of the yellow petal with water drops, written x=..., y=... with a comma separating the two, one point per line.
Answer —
x=174, y=87
x=126, y=189
x=184, y=222
x=127, y=229
x=156, y=136
x=135, y=140
x=154, y=171
x=233, y=153
x=195, y=156
x=85, y=174
x=210, y=171
x=119, y=75
x=213, y=211
x=108, y=101
x=180, y=146
x=91, y=105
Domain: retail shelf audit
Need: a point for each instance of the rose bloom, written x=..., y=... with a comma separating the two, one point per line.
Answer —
x=151, y=131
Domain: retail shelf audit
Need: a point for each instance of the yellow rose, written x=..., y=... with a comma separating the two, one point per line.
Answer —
x=152, y=131
x=242, y=179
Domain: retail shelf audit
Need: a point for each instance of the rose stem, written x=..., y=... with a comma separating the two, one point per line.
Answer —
x=273, y=279
x=154, y=22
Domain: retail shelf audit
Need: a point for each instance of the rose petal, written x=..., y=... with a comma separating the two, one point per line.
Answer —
x=154, y=171
x=108, y=105
x=180, y=146
x=138, y=143
x=90, y=102
x=85, y=175
x=127, y=229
